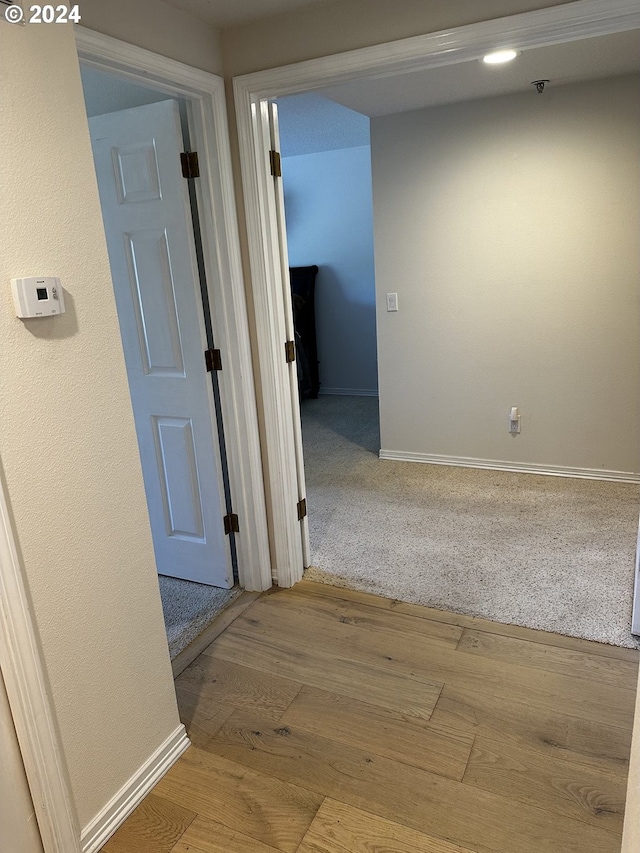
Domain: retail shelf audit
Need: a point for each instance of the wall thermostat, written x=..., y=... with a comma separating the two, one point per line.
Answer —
x=37, y=297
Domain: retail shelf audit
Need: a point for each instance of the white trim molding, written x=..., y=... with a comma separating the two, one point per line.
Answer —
x=513, y=467
x=31, y=707
x=635, y=615
x=133, y=792
x=540, y=28
x=554, y=25
x=205, y=95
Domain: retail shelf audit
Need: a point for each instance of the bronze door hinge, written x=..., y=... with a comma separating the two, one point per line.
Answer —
x=190, y=165
x=290, y=351
x=302, y=509
x=275, y=164
x=213, y=359
x=231, y=524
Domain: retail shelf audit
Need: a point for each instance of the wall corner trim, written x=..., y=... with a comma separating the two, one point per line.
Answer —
x=513, y=467
x=118, y=809
x=30, y=702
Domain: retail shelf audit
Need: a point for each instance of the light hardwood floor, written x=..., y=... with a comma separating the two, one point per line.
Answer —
x=330, y=721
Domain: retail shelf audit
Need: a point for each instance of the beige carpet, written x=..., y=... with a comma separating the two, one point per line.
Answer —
x=544, y=552
x=189, y=608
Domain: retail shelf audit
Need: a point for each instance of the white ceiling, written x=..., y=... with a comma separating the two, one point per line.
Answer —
x=310, y=123
x=318, y=121
x=588, y=59
x=231, y=13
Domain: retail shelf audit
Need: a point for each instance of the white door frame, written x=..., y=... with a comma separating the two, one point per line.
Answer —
x=31, y=708
x=555, y=25
x=221, y=249
x=275, y=321
x=18, y=825
x=635, y=614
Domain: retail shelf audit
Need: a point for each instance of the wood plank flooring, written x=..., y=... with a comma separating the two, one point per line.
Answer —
x=329, y=721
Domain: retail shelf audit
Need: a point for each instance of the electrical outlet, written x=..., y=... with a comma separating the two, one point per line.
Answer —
x=514, y=425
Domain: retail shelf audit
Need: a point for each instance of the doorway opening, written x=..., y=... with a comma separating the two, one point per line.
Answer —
x=326, y=175
x=153, y=235
x=204, y=94
x=422, y=406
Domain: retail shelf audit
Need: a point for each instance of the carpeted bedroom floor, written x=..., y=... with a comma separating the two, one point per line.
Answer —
x=189, y=607
x=544, y=552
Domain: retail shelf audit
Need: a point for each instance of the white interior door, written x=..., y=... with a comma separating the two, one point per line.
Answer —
x=149, y=231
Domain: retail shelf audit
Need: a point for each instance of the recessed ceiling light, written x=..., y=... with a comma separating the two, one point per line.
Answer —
x=499, y=56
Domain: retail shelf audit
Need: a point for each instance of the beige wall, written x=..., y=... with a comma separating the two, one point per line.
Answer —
x=67, y=441
x=509, y=229
x=157, y=27
x=329, y=28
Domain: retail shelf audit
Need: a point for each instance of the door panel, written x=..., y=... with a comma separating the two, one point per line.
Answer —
x=136, y=172
x=154, y=303
x=181, y=498
x=147, y=217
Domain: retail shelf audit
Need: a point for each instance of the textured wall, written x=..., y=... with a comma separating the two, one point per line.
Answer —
x=330, y=223
x=67, y=441
x=155, y=26
x=510, y=229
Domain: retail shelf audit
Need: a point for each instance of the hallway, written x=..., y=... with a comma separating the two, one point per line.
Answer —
x=325, y=720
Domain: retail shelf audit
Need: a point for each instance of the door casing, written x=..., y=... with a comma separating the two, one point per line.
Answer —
x=635, y=614
x=554, y=25
x=28, y=694
x=207, y=117
x=18, y=829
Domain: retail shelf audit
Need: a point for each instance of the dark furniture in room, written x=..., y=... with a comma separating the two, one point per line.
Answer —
x=303, y=284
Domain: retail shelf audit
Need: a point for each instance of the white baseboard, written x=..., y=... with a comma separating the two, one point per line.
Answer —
x=350, y=392
x=514, y=467
x=118, y=809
